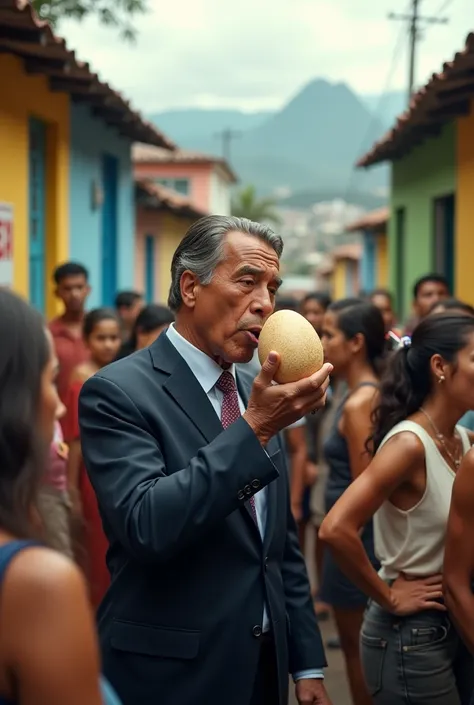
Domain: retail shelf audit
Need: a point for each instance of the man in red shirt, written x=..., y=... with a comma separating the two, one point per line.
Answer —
x=72, y=288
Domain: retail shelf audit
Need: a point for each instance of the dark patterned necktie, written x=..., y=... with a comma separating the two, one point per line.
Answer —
x=230, y=412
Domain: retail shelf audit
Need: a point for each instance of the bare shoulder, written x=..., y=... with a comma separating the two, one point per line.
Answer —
x=363, y=398
x=43, y=577
x=404, y=444
x=81, y=373
x=464, y=482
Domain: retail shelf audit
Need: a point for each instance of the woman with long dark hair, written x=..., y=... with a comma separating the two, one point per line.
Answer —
x=410, y=649
x=313, y=485
x=48, y=649
x=353, y=338
x=101, y=333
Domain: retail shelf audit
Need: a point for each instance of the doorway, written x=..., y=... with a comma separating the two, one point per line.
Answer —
x=37, y=212
x=444, y=237
x=149, y=269
x=109, y=229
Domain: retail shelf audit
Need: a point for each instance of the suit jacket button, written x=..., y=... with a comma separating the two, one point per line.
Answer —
x=256, y=484
x=248, y=490
x=240, y=495
x=257, y=631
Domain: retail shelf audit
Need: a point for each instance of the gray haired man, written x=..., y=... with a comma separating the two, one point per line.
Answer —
x=209, y=601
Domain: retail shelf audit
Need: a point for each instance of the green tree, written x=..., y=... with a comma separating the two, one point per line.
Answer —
x=113, y=13
x=247, y=205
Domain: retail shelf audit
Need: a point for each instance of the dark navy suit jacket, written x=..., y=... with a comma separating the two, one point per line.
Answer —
x=181, y=622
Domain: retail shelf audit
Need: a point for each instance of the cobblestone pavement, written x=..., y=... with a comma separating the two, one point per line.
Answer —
x=335, y=679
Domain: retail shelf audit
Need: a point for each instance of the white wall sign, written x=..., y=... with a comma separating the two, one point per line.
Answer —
x=6, y=244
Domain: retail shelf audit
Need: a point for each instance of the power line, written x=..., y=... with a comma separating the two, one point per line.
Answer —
x=227, y=136
x=444, y=7
x=394, y=62
x=414, y=20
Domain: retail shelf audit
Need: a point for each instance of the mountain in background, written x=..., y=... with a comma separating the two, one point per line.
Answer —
x=308, y=147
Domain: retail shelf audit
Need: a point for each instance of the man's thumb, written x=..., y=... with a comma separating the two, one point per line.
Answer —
x=269, y=367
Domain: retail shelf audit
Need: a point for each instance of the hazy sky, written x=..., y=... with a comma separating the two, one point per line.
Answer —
x=255, y=54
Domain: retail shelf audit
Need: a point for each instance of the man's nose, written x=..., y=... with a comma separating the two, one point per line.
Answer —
x=263, y=303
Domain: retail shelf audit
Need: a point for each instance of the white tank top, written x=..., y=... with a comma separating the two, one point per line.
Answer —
x=412, y=541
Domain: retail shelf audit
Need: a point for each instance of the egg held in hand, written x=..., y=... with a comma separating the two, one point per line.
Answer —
x=295, y=340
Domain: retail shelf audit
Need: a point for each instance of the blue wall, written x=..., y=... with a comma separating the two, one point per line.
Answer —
x=91, y=138
x=368, y=279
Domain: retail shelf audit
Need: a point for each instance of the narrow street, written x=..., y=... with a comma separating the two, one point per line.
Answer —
x=336, y=682
x=335, y=675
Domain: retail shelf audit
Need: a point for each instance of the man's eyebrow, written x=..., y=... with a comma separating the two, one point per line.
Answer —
x=256, y=272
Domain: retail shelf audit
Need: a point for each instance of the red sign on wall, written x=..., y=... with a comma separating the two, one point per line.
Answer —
x=6, y=244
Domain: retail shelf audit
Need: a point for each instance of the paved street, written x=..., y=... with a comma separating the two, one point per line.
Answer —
x=335, y=675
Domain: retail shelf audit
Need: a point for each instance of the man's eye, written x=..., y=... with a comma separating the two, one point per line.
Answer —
x=247, y=282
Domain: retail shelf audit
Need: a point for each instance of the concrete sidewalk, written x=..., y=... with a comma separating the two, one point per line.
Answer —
x=336, y=683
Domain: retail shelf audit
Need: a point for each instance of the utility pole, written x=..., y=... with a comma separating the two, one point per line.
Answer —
x=414, y=20
x=226, y=137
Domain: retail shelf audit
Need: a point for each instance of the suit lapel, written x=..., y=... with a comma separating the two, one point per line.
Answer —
x=273, y=450
x=183, y=386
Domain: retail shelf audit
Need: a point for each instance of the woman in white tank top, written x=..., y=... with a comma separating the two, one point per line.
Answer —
x=410, y=650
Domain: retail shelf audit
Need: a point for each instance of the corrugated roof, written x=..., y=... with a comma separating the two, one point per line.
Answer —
x=146, y=154
x=156, y=196
x=23, y=34
x=446, y=96
x=374, y=220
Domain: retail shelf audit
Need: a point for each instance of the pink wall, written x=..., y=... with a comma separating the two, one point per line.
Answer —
x=198, y=174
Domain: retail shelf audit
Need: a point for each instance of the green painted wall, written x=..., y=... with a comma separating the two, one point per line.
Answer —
x=426, y=173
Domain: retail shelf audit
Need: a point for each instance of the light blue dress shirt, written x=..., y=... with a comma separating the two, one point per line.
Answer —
x=207, y=372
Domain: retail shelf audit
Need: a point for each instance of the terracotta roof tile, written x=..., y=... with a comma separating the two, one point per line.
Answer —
x=25, y=35
x=447, y=95
x=374, y=220
x=351, y=251
x=159, y=197
x=146, y=154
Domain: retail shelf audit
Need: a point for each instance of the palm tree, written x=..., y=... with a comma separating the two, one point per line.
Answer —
x=248, y=205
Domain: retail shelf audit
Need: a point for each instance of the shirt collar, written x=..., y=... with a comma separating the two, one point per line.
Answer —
x=204, y=368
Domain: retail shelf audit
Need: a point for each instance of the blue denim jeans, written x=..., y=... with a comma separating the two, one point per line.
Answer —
x=415, y=660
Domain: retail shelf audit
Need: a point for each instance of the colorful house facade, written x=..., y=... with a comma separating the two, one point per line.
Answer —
x=162, y=219
x=205, y=180
x=66, y=190
x=374, y=263
x=339, y=273
x=431, y=149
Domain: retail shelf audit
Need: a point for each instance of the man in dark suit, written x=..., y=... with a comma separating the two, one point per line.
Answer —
x=209, y=602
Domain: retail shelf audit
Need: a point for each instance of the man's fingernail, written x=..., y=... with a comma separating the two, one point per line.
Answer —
x=272, y=357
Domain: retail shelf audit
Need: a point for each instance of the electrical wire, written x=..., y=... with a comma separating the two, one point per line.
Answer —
x=396, y=57
x=445, y=5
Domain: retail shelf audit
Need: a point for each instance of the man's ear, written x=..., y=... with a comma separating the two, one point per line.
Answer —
x=190, y=286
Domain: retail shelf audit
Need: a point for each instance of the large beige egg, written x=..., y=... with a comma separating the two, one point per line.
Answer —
x=299, y=346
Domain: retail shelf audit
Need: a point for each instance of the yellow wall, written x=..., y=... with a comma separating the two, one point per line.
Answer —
x=23, y=96
x=174, y=229
x=382, y=261
x=464, y=245
x=340, y=279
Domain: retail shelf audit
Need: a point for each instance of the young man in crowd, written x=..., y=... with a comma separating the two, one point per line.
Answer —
x=72, y=288
x=427, y=290
x=128, y=305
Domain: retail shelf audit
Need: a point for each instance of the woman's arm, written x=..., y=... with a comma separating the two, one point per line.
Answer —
x=50, y=645
x=298, y=455
x=459, y=552
x=392, y=466
x=356, y=427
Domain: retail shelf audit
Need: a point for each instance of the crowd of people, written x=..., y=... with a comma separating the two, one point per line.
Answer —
x=156, y=483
